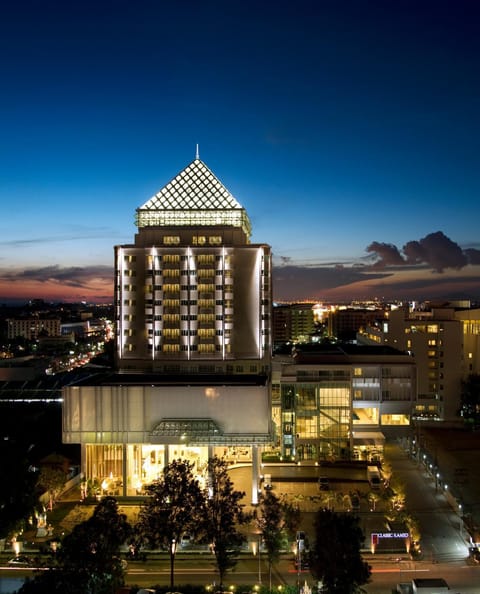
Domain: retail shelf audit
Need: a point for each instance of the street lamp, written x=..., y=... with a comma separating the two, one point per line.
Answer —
x=173, y=549
x=299, y=560
x=299, y=565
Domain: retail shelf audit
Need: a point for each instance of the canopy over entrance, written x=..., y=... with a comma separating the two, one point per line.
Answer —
x=369, y=438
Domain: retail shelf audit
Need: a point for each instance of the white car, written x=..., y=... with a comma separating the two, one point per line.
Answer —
x=185, y=540
x=20, y=561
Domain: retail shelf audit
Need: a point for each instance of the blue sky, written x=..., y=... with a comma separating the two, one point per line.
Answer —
x=346, y=129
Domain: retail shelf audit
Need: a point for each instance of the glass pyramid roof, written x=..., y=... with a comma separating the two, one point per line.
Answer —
x=195, y=197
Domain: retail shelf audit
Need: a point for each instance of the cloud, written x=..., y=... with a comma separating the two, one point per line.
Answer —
x=435, y=250
x=403, y=283
x=292, y=283
x=394, y=273
x=443, y=286
x=77, y=234
x=388, y=254
x=74, y=276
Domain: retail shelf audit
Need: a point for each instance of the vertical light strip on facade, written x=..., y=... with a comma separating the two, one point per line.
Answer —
x=265, y=309
x=192, y=267
x=259, y=294
x=224, y=290
x=187, y=325
x=153, y=254
x=120, y=331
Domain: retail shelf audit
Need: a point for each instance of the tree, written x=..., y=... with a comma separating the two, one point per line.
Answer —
x=173, y=507
x=373, y=498
x=292, y=517
x=387, y=473
x=94, y=546
x=335, y=558
x=270, y=521
x=18, y=495
x=88, y=560
x=396, y=496
x=52, y=480
x=222, y=514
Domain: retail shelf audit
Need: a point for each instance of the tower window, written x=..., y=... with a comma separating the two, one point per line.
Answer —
x=171, y=240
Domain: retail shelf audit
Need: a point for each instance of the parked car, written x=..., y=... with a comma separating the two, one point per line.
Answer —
x=267, y=482
x=21, y=561
x=185, y=540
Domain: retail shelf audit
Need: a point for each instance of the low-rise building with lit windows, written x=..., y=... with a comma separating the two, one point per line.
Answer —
x=470, y=321
x=445, y=343
x=32, y=327
x=334, y=402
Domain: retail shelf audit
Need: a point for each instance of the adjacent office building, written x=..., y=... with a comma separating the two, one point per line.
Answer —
x=193, y=301
x=445, y=345
x=293, y=322
x=338, y=402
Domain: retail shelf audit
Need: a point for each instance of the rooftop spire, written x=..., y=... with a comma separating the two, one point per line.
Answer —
x=197, y=153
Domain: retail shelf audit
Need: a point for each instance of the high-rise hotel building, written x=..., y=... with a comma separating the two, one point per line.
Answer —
x=193, y=343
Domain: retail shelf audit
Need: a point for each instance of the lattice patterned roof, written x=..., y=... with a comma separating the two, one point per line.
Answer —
x=194, y=197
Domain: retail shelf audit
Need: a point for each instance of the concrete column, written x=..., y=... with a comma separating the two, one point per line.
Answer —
x=166, y=455
x=255, y=474
x=83, y=461
x=124, y=470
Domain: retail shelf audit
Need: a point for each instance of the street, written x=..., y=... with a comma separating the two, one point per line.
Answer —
x=199, y=569
x=445, y=550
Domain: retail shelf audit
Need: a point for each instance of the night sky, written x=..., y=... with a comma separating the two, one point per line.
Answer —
x=348, y=130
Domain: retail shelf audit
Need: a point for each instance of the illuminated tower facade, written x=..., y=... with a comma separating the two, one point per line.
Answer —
x=192, y=293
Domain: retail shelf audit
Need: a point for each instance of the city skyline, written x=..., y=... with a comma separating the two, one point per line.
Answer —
x=348, y=131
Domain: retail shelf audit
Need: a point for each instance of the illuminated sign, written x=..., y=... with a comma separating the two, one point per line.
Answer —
x=377, y=535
